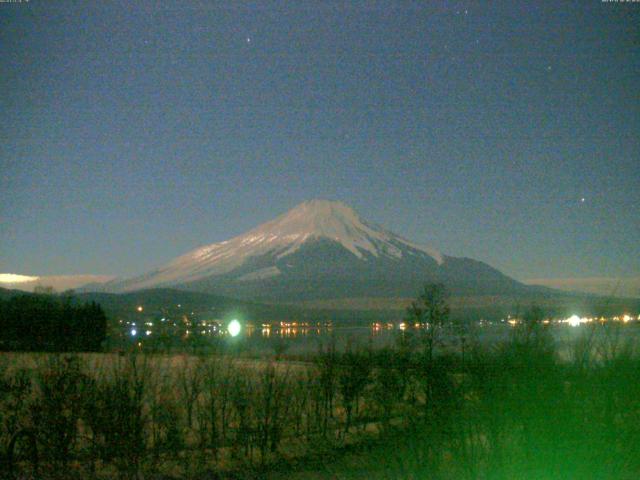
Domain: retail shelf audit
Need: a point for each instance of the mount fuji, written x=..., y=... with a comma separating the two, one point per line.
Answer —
x=320, y=250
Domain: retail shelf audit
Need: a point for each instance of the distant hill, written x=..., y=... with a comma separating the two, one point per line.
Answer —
x=345, y=310
x=216, y=306
x=7, y=293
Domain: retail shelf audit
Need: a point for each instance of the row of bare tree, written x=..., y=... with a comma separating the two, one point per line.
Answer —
x=477, y=411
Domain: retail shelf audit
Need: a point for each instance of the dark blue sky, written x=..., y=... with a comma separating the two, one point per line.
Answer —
x=132, y=132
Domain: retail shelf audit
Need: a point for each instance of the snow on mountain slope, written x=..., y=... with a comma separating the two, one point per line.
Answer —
x=312, y=220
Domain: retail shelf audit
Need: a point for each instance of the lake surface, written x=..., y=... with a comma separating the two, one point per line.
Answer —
x=308, y=341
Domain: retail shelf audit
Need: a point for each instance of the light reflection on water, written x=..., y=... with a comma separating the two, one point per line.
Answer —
x=308, y=339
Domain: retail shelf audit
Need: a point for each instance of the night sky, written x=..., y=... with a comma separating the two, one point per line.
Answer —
x=132, y=132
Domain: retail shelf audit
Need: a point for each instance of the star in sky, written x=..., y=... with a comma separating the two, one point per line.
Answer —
x=434, y=143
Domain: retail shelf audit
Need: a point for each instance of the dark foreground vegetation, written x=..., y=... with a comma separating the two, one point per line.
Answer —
x=515, y=410
x=51, y=323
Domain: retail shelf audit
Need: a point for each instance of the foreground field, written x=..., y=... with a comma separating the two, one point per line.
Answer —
x=515, y=410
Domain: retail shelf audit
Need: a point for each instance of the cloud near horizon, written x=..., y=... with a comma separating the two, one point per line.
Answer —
x=59, y=283
x=618, y=287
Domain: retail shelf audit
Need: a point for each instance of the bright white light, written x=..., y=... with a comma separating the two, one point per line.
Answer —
x=148, y=332
x=234, y=328
x=134, y=332
x=574, y=320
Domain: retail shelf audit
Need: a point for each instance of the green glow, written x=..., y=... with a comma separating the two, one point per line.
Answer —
x=234, y=328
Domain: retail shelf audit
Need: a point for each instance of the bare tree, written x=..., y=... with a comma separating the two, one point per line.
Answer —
x=270, y=410
x=353, y=377
x=326, y=362
x=431, y=311
x=190, y=381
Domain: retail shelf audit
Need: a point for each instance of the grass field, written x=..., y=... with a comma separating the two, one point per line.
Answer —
x=513, y=410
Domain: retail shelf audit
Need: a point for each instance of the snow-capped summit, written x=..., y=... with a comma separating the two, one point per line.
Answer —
x=332, y=220
x=318, y=246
